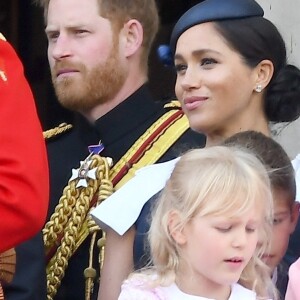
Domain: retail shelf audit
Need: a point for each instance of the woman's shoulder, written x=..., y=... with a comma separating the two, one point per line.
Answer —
x=140, y=289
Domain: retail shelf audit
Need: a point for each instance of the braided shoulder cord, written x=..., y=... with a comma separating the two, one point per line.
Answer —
x=61, y=215
x=90, y=273
x=80, y=203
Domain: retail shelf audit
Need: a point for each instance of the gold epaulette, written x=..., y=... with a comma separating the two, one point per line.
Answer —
x=54, y=132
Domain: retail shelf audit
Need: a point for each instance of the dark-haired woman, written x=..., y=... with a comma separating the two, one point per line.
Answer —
x=232, y=76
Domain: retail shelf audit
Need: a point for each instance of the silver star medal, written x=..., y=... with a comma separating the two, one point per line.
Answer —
x=83, y=173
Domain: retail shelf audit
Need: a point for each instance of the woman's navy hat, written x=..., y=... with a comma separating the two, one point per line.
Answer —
x=207, y=11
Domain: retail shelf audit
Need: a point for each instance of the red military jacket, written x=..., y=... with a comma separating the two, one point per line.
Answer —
x=24, y=179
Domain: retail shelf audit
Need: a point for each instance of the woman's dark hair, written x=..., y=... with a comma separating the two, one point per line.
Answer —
x=257, y=39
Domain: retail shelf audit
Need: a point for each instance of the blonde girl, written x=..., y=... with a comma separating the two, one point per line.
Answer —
x=205, y=230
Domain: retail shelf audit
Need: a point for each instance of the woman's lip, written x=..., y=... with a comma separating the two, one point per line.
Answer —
x=193, y=102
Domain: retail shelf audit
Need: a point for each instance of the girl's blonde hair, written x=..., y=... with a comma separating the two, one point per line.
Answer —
x=219, y=181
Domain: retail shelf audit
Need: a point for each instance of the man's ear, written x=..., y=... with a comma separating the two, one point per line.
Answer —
x=175, y=228
x=264, y=72
x=132, y=37
x=294, y=215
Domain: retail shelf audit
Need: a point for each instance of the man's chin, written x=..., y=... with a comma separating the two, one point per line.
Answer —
x=69, y=99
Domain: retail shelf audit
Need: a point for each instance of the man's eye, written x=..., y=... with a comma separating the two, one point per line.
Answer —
x=53, y=36
x=80, y=31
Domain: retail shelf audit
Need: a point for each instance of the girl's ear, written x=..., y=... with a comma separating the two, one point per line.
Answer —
x=264, y=72
x=132, y=37
x=175, y=228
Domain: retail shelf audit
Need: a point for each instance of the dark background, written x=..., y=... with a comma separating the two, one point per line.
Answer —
x=22, y=24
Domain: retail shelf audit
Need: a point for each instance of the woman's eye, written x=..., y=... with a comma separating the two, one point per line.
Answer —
x=179, y=68
x=208, y=61
x=250, y=230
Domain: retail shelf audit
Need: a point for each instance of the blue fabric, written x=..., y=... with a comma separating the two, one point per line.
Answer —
x=214, y=10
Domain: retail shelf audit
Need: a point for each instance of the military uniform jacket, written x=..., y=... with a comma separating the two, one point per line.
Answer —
x=117, y=130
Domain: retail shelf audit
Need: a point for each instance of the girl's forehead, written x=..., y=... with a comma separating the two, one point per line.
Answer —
x=254, y=214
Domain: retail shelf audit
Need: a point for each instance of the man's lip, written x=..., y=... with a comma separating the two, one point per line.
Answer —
x=66, y=71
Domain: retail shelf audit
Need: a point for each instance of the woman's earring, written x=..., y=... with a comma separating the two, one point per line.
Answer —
x=258, y=88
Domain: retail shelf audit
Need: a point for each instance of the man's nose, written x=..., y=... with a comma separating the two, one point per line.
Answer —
x=61, y=48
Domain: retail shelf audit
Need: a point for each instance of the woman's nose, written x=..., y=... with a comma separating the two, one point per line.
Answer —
x=191, y=79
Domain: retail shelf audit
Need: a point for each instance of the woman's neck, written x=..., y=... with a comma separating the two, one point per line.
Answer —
x=217, y=137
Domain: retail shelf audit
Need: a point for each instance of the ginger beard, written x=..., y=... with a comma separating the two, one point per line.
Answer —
x=95, y=86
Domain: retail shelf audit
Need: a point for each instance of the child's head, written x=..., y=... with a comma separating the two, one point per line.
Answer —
x=283, y=186
x=209, y=217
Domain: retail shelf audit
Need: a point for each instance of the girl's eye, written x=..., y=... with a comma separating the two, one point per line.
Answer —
x=277, y=221
x=250, y=230
x=224, y=229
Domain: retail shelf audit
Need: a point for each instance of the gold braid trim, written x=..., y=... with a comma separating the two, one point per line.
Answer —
x=159, y=147
x=53, y=132
x=79, y=199
x=154, y=156
x=173, y=104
